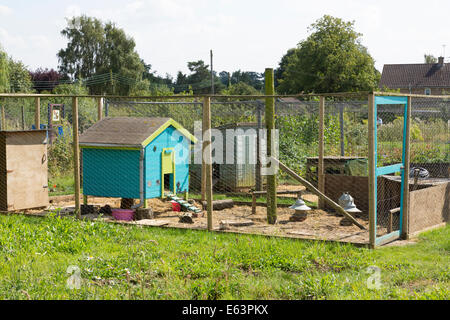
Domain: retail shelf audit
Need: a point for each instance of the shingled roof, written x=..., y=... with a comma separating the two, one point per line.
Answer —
x=426, y=75
x=126, y=131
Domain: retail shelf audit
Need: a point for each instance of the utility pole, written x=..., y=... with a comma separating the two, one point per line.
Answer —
x=212, y=73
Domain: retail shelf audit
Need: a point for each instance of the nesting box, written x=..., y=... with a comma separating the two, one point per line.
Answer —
x=24, y=167
x=130, y=157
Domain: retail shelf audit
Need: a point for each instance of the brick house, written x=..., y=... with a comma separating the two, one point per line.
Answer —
x=420, y=78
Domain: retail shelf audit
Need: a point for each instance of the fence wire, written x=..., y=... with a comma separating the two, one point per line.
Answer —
x=237, y=150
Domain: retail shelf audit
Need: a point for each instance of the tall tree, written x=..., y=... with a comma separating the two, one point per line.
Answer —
x=96, y=49
x=331, y=59
x=4, y=72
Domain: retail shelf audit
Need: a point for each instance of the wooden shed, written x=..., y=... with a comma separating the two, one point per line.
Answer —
x=136, y=158
x=24, y=167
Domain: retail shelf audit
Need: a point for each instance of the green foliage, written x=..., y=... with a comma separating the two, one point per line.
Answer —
x=97, y=48
x=60, y=154
x=19, y=77
x=4, y=72
x=331, y=59
x=240, y=88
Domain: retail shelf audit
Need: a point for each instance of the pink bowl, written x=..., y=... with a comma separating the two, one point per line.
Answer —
x=123, y=214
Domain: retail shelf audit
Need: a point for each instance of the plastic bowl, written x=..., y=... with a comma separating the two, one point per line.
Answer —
x=123, y=214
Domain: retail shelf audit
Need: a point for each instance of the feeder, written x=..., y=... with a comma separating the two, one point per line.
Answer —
x=300, y=205
x=346, y=201
x=300, y=208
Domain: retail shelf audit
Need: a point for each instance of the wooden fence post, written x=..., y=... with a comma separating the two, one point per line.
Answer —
x=372, y=175
x=37, y=113
x=3, y=118
x=76, y=156
x=100, y=109
x=320, y=167
x=405, y=217
x=270, y=126
x=207, y=159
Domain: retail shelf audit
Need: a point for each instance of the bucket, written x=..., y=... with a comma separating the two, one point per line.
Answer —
x=123, y=214
x=175, y=206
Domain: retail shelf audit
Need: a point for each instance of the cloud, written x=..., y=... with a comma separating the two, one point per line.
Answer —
x=5, y=11
x=72, y=11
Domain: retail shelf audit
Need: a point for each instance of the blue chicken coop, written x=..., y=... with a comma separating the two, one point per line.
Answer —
x=135, y=158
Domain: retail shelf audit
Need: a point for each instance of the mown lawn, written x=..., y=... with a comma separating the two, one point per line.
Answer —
x=129, y=262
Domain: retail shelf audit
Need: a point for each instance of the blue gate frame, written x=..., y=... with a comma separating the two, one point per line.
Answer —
x=399, y=167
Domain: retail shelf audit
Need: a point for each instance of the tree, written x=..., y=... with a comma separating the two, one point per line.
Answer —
x=4, y=72
x=45, y=79
x=429, y=58
x=331, y=59
x=240, y=88
x=19, y=77
x=100, y=49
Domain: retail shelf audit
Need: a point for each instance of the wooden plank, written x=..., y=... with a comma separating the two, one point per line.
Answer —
x=207, y=155
x=406, y=203
x=320, y=169
x=314, y=190
x=26, y=170
x=372, y=169
x=76, y=156
x=270, y=126
x=3, y=118
x=100, y=109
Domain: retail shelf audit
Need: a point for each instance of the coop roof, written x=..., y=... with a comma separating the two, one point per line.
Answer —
x=129, y=132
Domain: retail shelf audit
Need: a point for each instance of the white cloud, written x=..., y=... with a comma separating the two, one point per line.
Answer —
x=72, y=11
x=4, y=10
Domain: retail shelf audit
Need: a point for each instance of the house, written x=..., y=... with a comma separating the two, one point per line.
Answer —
x=136, y=158
x=423, y=78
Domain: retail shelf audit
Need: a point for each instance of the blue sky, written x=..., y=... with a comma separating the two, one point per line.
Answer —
x=244, y=34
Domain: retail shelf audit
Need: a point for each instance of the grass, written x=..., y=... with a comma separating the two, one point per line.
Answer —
x=61, y=185
x=129, y=262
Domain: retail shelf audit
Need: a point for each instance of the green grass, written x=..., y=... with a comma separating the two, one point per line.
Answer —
x=129, y=262
x=61, y=185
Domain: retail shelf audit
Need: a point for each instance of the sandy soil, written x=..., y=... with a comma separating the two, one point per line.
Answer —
x=319, y=225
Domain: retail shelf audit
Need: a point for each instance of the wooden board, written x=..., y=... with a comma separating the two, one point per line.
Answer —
x=25, y=164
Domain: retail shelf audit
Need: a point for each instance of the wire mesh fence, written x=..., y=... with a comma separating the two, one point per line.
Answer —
x=127, y=160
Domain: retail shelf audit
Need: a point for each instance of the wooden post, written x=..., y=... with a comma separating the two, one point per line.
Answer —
x=405, y=217
x=320, y=166
x=3, y=118
x=37, y=113
x=258, y=186
x=100, y=109
x=253, y=203
x=23, y=117
x=207, y=159
x=372, y=167
x=76, y=156
x=270, y=126
x=341, y=126
x=203, y=177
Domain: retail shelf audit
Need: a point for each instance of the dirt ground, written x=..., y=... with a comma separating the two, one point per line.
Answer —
x=319, y=224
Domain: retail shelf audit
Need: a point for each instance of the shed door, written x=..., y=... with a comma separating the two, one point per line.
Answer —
x=26, y=173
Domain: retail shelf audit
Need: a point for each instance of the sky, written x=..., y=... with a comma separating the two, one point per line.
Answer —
x=247, y=35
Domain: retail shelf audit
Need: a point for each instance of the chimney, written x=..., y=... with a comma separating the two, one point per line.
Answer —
x=441, y=61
